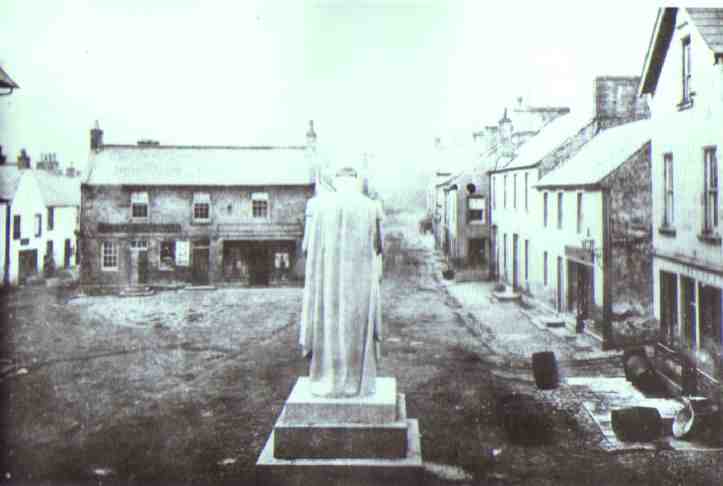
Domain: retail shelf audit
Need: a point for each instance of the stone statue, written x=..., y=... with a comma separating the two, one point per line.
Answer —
x=341, y=314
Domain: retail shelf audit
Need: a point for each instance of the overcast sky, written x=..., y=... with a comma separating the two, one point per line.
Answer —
x=378, y=77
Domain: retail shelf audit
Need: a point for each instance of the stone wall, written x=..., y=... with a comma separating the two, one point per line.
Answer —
x=617, y=100
x=630, y=232
x=170, y=218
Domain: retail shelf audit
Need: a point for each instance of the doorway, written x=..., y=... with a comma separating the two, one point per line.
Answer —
x=580, y=292
x=28, y=264
x=200, y=264
x=67, y=253
x=259, y=265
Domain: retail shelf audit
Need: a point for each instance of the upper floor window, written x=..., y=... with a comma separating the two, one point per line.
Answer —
x=527, y=190
x=668, y=188
x=710, y=199
x=514, y=191
x=559, y=210
x=504, y=191
x=260, y=205
x=544, y=209
x=201, y=206
x=17, y=231
x=109, y=255
x=494, y=192
x=686, y=71
x=139, y=205
x=579, y=212
x=51, y=218
x=476, y=206
x=38, y=225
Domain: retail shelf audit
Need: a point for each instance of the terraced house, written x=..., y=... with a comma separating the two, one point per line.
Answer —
x=155, y=214
x=683, y=78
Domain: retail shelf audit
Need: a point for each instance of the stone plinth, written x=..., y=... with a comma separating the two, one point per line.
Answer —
x=347, y=472
x=303, y=407
x=329, y=440
x=345, y=441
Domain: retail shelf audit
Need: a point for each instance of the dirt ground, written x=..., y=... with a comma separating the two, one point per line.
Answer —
x=184, y=387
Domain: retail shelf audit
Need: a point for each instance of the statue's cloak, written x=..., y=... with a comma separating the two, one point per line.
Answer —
x=341, y=314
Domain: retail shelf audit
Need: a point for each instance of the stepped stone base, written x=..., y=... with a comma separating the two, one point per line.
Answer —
x=347, y=441
x=380, y=408
x=328, y=440
x=347, y=472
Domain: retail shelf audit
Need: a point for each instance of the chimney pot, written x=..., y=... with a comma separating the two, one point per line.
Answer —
x=96, y=137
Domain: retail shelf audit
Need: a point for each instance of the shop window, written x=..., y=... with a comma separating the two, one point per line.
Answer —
x=109, y=255
x=669, y=327
x=710, y=328
x=167, y=255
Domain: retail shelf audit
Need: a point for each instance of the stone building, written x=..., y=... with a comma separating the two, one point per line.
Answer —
x=523, y=255
x=683, y=81
x=155, y=214
x=596, y=221
x=463, y=199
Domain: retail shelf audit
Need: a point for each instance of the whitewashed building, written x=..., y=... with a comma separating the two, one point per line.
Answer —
x=683, y=78
x=40, y=218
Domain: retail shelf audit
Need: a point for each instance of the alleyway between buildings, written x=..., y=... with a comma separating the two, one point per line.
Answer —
x=185, y=386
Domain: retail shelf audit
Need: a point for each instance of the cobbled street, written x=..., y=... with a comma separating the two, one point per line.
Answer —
x=185, y=386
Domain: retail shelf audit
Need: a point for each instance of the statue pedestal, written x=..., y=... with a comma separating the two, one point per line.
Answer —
x=364, y=441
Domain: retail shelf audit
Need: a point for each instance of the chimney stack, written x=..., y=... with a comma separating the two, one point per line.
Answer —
x=96, y=138
x=311, y=136
x=505, y=135
x=23, y=160
x=617, y=101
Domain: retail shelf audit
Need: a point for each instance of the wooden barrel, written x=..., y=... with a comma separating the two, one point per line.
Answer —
x=636, y=424
x=523, y=419
x=699, y=419
x=635, y=363
x=544, y=368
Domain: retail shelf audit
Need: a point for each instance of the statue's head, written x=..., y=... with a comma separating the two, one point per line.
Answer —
x=347, y=179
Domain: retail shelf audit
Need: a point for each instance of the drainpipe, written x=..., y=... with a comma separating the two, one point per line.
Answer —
x=607, y=273
x=8, y=222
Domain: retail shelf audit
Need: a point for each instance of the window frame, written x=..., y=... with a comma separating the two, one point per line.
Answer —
x=38, y=228
x=17, y=227
x=668, y=190
x=545, y=269
x=482, y=213
x=527, y=191
x=710, y=191
x=579, y=213
x=514, y=191
x=686, y=75
x=504, y=192
x=112, y=256
x=545, y=208
x=260, y=202
x=140, y=199
x=560, y=199
x=51, y=218
x=163, y=266
x=201, y=203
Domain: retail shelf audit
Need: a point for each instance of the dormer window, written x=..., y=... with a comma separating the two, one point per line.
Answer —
x=139, y=206
x=687, y=91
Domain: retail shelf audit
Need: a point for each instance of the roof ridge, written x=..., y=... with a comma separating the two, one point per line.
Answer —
x=209, y=147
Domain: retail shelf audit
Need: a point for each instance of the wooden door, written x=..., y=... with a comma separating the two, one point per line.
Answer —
x=67, y=253
x=199, y=274
x=28, y=264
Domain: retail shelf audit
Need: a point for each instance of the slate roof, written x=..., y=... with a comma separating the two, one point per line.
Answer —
x=199, y=166
x=708, y=21
x=5, y=81
x=600, y=156
x=58, y=190
x=550, y=137
x=9, y=181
